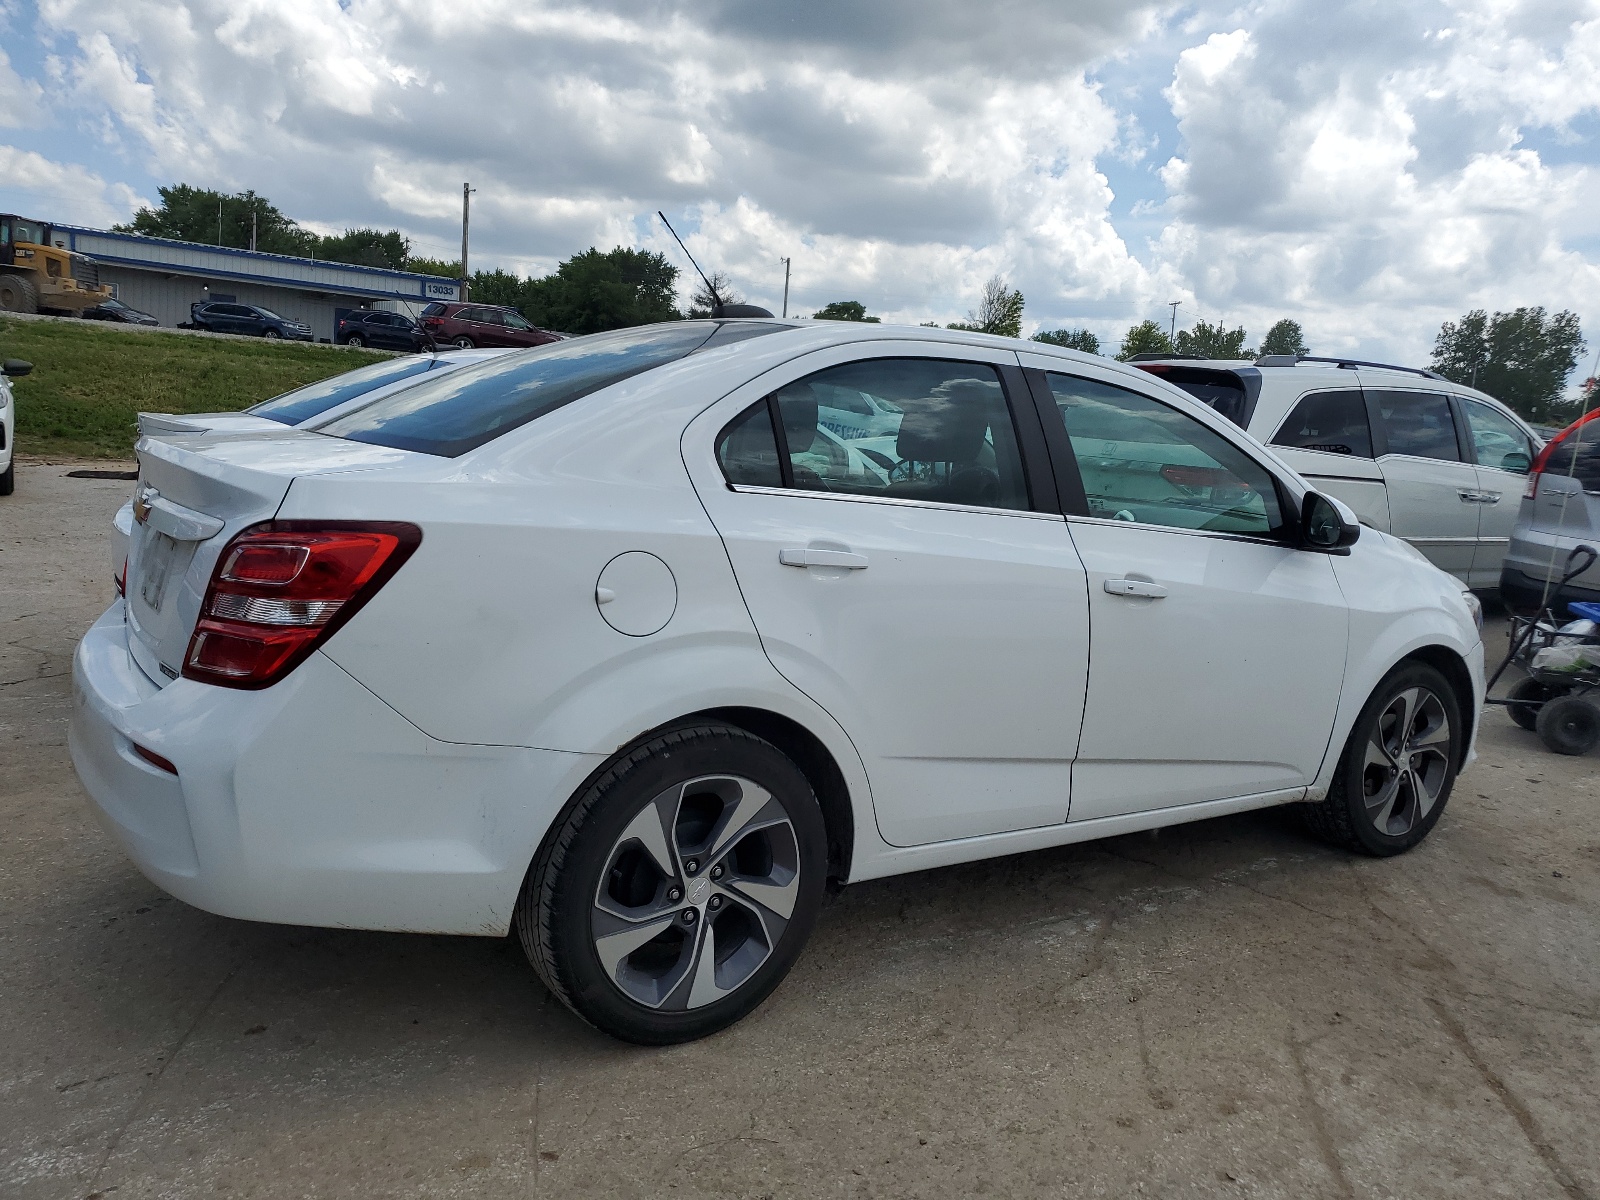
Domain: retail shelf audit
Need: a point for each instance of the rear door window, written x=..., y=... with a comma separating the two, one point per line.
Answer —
x=944, y=434
x=1497, y=440
x=1146, y=463
x=1333, y=422
x=1419, y=424
x=458, y=412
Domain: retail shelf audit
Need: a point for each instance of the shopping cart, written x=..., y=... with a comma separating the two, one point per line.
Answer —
x=1560, y=698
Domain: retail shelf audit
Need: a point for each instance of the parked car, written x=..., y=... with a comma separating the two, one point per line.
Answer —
x=1560, y=511
x=1436, y=463
x=303, y=406
x=469, y=325
x=12, y=368
x=596, y=643
x=115, y=310
x=219, y=317
x=382, y=330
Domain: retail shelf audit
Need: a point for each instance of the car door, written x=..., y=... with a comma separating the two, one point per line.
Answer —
x=1503, y=454
x=1217, y=647
x=1433, y=490
x=1327, y=438
x=923, y=597
x=394, y=330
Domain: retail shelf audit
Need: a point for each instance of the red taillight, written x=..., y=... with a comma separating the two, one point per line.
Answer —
x=432, y=322
x=282, y=588
x=1540, y=463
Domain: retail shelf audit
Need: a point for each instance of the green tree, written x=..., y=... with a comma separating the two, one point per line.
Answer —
x=1522, y=358
x=1071, y=339
x=449, y=268
x=702, y=301
x=1286, y=337
x=190, y=214
x=365, y=247
x=999, y=311
x=592, y=292
x=844, y=310
x=1144, y=338
x=1212, y=341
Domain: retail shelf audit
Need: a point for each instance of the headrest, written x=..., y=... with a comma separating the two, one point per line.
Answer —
x=947, y=426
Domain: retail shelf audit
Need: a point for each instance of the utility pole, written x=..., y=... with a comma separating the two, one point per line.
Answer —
x=252, y=228
x=466, y=212
x=786, y=287
x=219, y=222
x=1172, y=326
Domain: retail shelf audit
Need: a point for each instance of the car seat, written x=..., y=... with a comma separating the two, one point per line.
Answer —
x=940, y=440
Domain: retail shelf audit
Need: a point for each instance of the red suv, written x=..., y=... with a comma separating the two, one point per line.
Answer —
x=469, y=325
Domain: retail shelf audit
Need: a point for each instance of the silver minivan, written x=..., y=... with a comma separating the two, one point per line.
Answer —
x=1560, y=511
x=1441, y=465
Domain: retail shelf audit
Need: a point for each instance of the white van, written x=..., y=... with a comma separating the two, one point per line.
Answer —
x=1436, y=463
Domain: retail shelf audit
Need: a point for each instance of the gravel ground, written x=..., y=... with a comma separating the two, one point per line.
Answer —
x=1225, y=1008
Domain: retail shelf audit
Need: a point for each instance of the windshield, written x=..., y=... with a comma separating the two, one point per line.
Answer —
x=30, y=231
x=267, y=313
x=294, y=407
x=460, y=412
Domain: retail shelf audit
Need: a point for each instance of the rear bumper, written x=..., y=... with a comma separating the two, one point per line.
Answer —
x=310, y=802
x=1524, y=593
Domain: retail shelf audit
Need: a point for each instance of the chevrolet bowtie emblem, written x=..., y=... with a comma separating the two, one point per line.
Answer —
x=141, y=503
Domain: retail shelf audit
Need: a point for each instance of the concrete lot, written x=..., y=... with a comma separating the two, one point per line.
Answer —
x=1224, y=1009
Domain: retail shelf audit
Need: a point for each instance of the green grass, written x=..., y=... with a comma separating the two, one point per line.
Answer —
x=90, y=380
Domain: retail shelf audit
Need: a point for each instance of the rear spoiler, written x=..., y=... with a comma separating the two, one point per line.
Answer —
x=166, y=423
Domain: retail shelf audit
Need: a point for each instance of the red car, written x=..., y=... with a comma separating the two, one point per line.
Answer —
x=469, y=325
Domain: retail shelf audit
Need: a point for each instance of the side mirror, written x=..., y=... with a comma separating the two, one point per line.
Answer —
x=15, y=367
x=1517, y=461
x=1327, y=525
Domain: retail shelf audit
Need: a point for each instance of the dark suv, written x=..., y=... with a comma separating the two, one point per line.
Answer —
x=469, y=325
x=218, y=316
x=384, y=330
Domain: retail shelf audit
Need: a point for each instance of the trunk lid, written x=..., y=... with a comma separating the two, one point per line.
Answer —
x=196, y=490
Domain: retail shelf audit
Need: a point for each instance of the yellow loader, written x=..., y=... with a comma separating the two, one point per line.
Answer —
x=37, y=272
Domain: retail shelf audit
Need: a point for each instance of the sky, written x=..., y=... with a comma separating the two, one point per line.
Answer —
x=1367, y=169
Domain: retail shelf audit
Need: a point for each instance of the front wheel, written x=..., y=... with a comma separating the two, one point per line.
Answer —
x=8, y=478
x=271, y=333
x=680, y=887
x=1398, y=767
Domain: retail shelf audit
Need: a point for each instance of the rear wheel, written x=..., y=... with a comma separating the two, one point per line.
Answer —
x=18, y=294
x=464, y=343
x=679, y=889
x=355, y=339
x=1525, y=701
x=1569, y=725
x=1398, y=767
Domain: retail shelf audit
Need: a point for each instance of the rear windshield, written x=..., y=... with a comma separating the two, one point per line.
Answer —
x=433, y=310
x=303, y=403
x=1221, y=390
x=1578, y=454
x=466, y=408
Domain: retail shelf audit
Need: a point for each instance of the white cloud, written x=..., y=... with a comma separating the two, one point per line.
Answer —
x=65, y=192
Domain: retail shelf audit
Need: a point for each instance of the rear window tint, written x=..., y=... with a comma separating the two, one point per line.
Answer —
x=462, y=410
x=1578, y=454
x=304, y=403
x=1333, y=422
x=433, y=310
x=1222, y=391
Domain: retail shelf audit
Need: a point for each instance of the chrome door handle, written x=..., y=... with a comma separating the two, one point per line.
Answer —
x=1135, y=587
x=1489, y=497
x=1471, y=497
x=823, y=558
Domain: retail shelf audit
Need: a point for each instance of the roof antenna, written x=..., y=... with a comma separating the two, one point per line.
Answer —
x=718, y=308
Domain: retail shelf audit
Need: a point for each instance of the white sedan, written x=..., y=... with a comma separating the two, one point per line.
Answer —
x=607, y=643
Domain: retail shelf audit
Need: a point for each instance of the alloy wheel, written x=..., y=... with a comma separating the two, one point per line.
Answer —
x=1407, y=762
x=696, y=893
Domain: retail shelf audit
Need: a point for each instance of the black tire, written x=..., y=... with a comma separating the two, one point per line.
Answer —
x=464, y=343
x=560, y=905
x=1525, y=701
x=1570, y=725
x=1349, y=817
x=355, y=339
x=18, y=294
x=271, y=333
x=8, y=478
